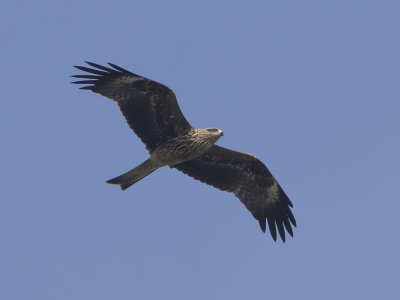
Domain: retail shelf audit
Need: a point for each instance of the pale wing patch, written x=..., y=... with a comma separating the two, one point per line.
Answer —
x=273, y=193
x=129, y=79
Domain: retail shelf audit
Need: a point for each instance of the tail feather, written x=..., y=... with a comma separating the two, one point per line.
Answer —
x=127, y=179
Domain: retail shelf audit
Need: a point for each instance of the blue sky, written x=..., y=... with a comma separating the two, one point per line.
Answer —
x=310, y=87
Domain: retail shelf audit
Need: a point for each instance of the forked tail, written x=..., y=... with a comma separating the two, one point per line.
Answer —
x=127, y=179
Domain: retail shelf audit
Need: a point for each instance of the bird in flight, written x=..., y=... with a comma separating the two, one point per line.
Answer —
x=152, y=112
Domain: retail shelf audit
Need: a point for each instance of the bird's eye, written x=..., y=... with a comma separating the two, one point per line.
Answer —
x=213, y=129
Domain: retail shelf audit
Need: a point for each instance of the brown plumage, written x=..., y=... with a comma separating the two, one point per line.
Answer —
x=152, y=111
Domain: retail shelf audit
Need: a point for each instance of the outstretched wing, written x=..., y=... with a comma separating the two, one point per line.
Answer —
x=250, y=180
x=150, y=108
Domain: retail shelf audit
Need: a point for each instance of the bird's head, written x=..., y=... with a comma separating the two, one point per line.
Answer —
x=214, y=133
x=209, y=135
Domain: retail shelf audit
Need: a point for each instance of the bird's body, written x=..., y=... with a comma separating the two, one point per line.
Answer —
x=153, y=113
x=176, y=150
x=186, y=147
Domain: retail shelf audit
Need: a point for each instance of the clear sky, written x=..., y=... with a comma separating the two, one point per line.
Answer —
x=310, y=87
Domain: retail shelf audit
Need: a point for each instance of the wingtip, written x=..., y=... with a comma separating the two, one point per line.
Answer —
x=272, y=228
x=118, y=68
x=86, y=87
x=88, y=62
x=263, y=224
x=292, y=220
x=288, y=227
x=281, y=230
x=283, y=238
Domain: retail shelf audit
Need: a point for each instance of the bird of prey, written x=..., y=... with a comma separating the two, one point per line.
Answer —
x=152, y=112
